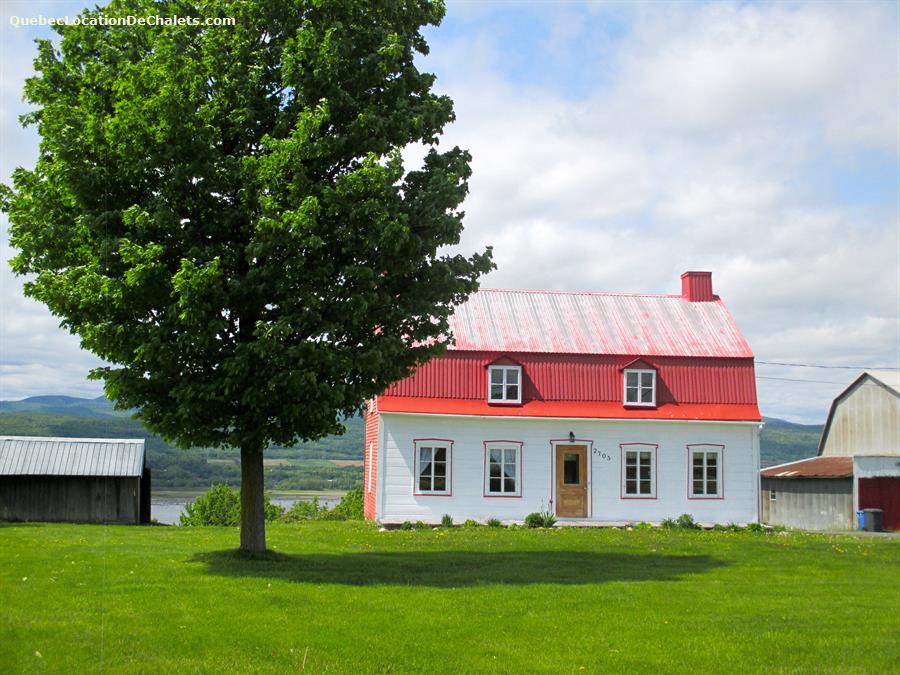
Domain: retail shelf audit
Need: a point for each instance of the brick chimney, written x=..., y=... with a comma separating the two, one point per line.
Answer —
x=697, y=287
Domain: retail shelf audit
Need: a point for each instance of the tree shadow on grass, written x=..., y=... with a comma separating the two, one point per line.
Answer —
x=454, y=569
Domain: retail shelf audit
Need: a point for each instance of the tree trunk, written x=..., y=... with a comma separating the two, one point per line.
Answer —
x=253, y=516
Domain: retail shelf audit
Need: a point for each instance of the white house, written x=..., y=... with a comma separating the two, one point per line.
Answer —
x=607, y=408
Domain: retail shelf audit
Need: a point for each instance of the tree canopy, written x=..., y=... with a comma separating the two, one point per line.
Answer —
x=223, y=215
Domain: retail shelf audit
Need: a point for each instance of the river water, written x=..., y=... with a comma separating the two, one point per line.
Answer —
x=167, y=510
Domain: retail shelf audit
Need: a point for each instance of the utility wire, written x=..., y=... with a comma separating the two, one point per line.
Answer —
x=790, y=379
x=815, y=365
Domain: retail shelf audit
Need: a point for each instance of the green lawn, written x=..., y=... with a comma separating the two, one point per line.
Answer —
x=343, y=597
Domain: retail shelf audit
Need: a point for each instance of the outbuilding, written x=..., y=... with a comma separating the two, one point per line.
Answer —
x=857, y=468
x=80, y=480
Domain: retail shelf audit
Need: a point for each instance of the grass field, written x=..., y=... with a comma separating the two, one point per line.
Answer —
x=343, y=597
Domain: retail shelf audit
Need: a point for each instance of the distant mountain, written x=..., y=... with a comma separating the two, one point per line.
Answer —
x=70, y=406
x=783, y=441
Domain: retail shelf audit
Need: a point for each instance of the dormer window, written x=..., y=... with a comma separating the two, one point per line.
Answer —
x=640, y=387
x=504, y=384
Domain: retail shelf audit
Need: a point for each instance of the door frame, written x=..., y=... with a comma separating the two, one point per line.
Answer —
x=588, y=471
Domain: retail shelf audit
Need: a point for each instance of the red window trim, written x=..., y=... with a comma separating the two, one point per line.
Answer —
x=416, y=492
x=690, y=467
x=622, y=494
x=520, y=477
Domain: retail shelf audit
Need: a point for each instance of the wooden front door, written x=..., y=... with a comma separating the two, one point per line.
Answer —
x=571, y=481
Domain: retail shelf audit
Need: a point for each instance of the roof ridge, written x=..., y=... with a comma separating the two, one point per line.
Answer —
x=616, y=293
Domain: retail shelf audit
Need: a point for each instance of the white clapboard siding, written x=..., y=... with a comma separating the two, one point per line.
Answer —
x=397, y=503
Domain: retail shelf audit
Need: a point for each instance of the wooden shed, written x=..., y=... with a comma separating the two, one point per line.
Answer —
x=80, y=480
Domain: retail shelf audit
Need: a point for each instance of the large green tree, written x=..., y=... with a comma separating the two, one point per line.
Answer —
x=222, y=214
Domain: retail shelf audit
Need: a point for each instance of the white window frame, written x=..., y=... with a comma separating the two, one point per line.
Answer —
x=504, y=447
x=433, y=444
x=640, y=372
x=505, y=384
x=719, y=452
x=639, y=448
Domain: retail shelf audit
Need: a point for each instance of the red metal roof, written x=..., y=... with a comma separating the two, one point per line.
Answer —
x=596, y=323
x=583, y=409
x=584, y=377
x=816, y=467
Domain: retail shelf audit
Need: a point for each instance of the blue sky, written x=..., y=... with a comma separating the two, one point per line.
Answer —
x=618, y=144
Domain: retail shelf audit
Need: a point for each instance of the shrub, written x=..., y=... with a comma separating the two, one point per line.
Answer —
x=494, y=522
x=686, y=522
x=643, y=526
x=755, y=527
x=669, y=524
x=549, y=520
x=447, y=520
x=534, y=520
x=221, y=505
x=351, y=505
x=406, y=525
x=303, y=510
x=471, y=523
x=419, y=525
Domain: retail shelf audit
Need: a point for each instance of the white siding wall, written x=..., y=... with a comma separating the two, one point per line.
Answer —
x=396, y=502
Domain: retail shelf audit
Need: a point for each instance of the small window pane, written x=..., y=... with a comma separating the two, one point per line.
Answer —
x=645, y=458
x=645, y=472
x=711, y=487
x=711, y=472
x=631, y=395
x=495, y=484
x=631, y=487
x=631, y=379
x=509, y=455
x=424, y=455
x=496, y=392
x=646, y=396
x=698, y=459
x=645, y=487
x=646, y=379
x=425, y=469
x=698, y=487
x=698, y=473
x=495, y=470
x=630, y=471
x=440, y=454
x=496, y=376
x=509, y=484
x=570, y=469
x=440, y=484
x=425, y=483
x=496, y=453
x=509, y=470
x=512, y=376
x=630, y=458
x=512, y=392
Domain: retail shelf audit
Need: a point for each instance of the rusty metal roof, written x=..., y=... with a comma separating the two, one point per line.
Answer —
x=38, y=456
x=595, y=323
x=815, y=467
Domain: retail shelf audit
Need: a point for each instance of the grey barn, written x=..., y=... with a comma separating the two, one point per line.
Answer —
x=81, y=480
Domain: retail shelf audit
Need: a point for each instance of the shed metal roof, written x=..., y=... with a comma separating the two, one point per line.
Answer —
x=595, y=323
x=40, y=456
x=815, y=467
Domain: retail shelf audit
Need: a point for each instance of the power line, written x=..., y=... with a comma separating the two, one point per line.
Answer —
x=789, y=379
x=816, y=365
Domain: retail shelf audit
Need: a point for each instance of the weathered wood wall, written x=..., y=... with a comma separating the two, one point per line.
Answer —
x=808, y=503
x=77, y=499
